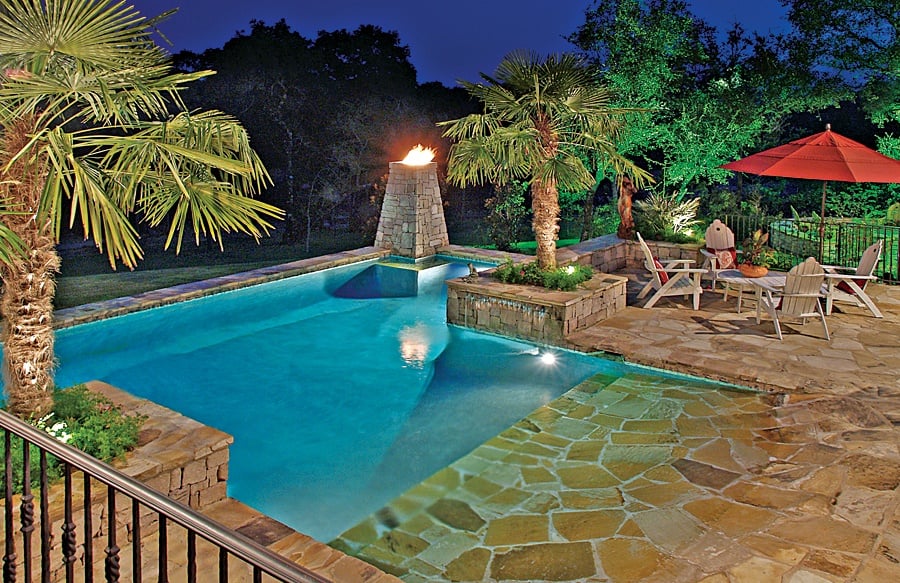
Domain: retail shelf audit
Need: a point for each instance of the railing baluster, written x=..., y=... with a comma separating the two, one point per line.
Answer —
x=136, y=540
x=163, y=550
x=257, y=575
x=26, y=511
x=191, y=557
x=9, y=555
x=228, y=543
x=223, y=565
x=112, y=551
x=46, y=519
x=69, y=542
x=88, y=531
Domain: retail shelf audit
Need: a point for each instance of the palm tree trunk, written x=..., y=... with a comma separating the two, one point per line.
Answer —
x=545, y=207
x=626, y=221
x=28, y=284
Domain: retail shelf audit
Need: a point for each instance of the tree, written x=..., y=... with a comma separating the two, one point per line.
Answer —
x=857, y=41
x=329, y=113
x=92, y=130
x=708, y=103
x=539, y=115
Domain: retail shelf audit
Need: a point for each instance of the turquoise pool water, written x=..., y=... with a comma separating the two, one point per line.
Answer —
x=342, y=388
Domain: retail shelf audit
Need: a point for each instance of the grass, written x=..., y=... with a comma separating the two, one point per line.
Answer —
x=530, y=247
x=76, y=290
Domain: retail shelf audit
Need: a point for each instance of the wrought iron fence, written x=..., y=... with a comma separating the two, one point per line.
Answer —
x=106, y=509
x=845, y=240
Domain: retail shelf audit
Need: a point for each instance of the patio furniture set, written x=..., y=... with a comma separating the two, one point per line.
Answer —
x=799, y=293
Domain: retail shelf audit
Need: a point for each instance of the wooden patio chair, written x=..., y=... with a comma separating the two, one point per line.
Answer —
x=844, y=286
x=798, y=299
x=668, y=279
x=720, y=253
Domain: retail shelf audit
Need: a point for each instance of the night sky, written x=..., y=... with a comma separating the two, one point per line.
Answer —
x=448, y=39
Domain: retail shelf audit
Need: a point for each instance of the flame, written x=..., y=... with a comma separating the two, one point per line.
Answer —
x=419, y=156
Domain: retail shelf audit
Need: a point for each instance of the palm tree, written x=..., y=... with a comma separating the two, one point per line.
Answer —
x=539, y=115
x=93, y=131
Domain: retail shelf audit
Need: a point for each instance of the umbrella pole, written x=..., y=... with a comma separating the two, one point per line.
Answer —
x=822, y=225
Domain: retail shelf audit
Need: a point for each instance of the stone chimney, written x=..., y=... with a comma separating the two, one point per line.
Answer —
x=412, y=216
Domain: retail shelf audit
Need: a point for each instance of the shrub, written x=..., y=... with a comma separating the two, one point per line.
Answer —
x=565, y=278
x=892, y=216
x=85, y=420
x=506, y=216
x=660, y=216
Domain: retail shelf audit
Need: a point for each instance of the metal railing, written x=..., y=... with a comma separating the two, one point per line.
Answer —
x=150, y=516
x=845, y=241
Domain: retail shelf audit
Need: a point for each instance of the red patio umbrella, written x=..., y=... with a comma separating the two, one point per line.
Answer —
x=823, y=156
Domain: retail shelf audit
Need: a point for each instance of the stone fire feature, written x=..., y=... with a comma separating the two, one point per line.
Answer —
x=530, y=312
x=412, y=216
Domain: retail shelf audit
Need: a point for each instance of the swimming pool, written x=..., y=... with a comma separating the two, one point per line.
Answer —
x=342, y=388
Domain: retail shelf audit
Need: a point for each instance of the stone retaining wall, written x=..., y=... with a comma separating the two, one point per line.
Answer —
x=530, y=312
x=610, y=254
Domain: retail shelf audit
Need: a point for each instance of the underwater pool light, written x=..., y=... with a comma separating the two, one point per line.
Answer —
x=548, y=358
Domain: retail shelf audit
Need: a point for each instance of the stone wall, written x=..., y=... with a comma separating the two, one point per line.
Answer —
x=609, y=254
x=530, y=312
x=176, y=455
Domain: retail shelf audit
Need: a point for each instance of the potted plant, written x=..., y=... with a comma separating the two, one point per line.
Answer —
x=757, y=255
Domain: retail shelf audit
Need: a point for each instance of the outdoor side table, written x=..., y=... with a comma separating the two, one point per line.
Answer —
x=736, y=280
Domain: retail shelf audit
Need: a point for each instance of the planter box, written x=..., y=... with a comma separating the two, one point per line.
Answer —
x=531, y=312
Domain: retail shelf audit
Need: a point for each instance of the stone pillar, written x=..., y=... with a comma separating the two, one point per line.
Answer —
x=412, y=216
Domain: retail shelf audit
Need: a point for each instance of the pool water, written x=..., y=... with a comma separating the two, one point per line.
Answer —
x=342, y=388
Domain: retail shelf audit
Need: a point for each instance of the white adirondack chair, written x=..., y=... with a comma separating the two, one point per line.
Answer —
x=720, y=253
x=798, y=299
x=844, y=286
x=668, y=279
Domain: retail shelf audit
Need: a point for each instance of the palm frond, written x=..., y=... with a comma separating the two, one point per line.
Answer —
x=81, y=35
x=87, y=60
x=86, y=185
x=566, y=171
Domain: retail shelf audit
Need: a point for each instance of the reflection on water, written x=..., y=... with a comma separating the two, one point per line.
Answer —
x=415, y=342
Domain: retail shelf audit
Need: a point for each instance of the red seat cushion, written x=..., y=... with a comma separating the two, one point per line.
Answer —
x=845, y=287
x=663, y=276
x=725, y=258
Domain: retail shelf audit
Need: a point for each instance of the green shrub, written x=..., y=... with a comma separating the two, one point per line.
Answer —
x=564, y=278
x=892, y=216
x=660, y=216
x=527, y=273
x=506, y=216
x=567, y=278
x=85, y=420
x=606, y=219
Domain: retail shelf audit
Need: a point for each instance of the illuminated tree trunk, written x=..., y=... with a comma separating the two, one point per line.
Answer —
x=626, y=222
x=545, y=207
x=28, y=283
